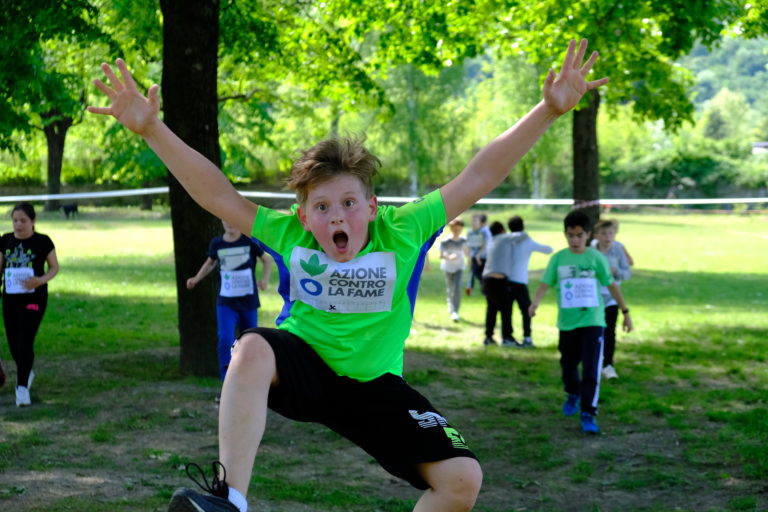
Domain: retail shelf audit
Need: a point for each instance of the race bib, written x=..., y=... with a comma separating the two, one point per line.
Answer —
x=579, y=292
x=236, y=283
x=14, y=279
x=364, y=285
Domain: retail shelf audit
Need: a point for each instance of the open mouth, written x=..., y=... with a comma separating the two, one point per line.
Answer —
x=340, y=239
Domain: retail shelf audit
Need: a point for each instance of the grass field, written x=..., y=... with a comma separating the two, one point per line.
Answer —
x=684, y=428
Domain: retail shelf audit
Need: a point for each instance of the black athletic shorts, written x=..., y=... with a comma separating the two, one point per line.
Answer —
x=386, y=417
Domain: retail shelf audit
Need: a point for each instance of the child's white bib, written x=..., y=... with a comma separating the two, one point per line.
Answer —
x=579, y=292
x=236, y=283
x=15, y=277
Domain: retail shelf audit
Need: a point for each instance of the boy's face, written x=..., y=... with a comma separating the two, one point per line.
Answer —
x=337, y=213
x=605, y=236
x=577, y=239
x=476, y=224
x=456, y=229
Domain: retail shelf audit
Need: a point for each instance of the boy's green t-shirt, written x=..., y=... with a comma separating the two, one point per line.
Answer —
x=576, y=279
x=356, y=315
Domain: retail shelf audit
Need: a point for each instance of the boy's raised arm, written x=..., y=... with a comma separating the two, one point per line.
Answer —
x=491, y=165
x=199, y=176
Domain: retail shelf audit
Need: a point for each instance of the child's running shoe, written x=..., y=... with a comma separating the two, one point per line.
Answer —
x=588, y=424
x=22, y=397
x=215, y=499
x=609, y=372
x=528, y=342
x=510, y=342
x=571, y=405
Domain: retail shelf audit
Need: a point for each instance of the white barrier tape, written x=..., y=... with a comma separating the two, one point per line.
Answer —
x=85, y=195
x=403, y=199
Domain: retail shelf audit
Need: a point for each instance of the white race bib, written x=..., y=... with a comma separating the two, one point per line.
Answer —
x=236, y=283
x=14, y=277
x=578, y=292
x=364, y=285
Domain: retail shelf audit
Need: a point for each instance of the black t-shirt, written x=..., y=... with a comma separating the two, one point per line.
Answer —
x=237, y=261
x=23, y=254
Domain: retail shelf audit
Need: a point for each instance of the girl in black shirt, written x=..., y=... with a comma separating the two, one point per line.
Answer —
x=23, y=257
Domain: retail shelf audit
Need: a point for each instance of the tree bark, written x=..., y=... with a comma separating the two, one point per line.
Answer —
x=190, y=106
x=55, y=128
x=586, y=170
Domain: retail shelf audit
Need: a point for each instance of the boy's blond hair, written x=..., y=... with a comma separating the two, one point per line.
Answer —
x=330, y=158
x=607, y=224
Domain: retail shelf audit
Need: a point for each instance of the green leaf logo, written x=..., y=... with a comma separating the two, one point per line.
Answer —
x=313, y=266
x=568, y=285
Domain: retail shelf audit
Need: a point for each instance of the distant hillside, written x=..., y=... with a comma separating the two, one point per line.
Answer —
x=738, y=64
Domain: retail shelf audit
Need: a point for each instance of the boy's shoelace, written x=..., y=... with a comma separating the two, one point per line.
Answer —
x=217, y=487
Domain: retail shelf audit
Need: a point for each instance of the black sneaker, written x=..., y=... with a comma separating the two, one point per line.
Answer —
x=215, y=499
x=489, y=341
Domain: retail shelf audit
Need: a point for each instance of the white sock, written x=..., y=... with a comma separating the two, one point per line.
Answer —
x=238, y=499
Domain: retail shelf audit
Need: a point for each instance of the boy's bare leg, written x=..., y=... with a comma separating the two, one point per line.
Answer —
x=243, y=407
x=454, y=483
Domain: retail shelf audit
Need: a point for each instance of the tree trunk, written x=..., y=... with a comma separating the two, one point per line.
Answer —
x=586, y=171
x=190, y=106
x=55, y=128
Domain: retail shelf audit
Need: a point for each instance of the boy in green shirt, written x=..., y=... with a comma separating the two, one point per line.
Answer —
x=349, y=271
x=577, y=274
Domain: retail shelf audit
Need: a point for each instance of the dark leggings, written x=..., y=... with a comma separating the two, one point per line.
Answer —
x=519, y=293
x=497, y=300
x=22, y=317
x=611, y=315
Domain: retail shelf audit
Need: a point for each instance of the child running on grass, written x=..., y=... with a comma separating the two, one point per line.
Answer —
x=576, y=273
x=453, y=253
x=337, y=356
x=478, y=239
x=237, y=303
x=517, y=275
x=605, y=242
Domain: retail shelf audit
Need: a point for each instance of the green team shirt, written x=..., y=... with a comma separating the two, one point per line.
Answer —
x=576, y=279
x=355, y=315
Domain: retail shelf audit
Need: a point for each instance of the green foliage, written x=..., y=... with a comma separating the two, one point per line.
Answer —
x=42, y=77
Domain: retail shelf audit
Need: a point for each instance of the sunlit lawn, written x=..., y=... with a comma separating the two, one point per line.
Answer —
x=695, y=365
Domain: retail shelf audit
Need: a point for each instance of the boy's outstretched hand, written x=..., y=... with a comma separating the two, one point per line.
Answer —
x=134, y=111
x=563, y=91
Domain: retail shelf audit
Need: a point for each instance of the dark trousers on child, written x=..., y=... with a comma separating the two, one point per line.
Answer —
x=583, y=345
x=611, y=316
x=497, y=300
x=476, y=272
x=22, y=317
x=519, y=293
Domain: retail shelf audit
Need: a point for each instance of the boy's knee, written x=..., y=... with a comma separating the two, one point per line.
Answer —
x=458, y=480
x=252, y=351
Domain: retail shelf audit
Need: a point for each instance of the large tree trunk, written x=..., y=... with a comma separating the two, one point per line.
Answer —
x=190, y=106
x=55, y=128
x=586, y=170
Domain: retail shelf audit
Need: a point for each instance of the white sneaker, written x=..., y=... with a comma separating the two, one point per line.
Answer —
x=22, y=397
x=455, y=316
x=609, y=372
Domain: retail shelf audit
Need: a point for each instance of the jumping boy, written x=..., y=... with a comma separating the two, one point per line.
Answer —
x=577, y=274
x=337, y=356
